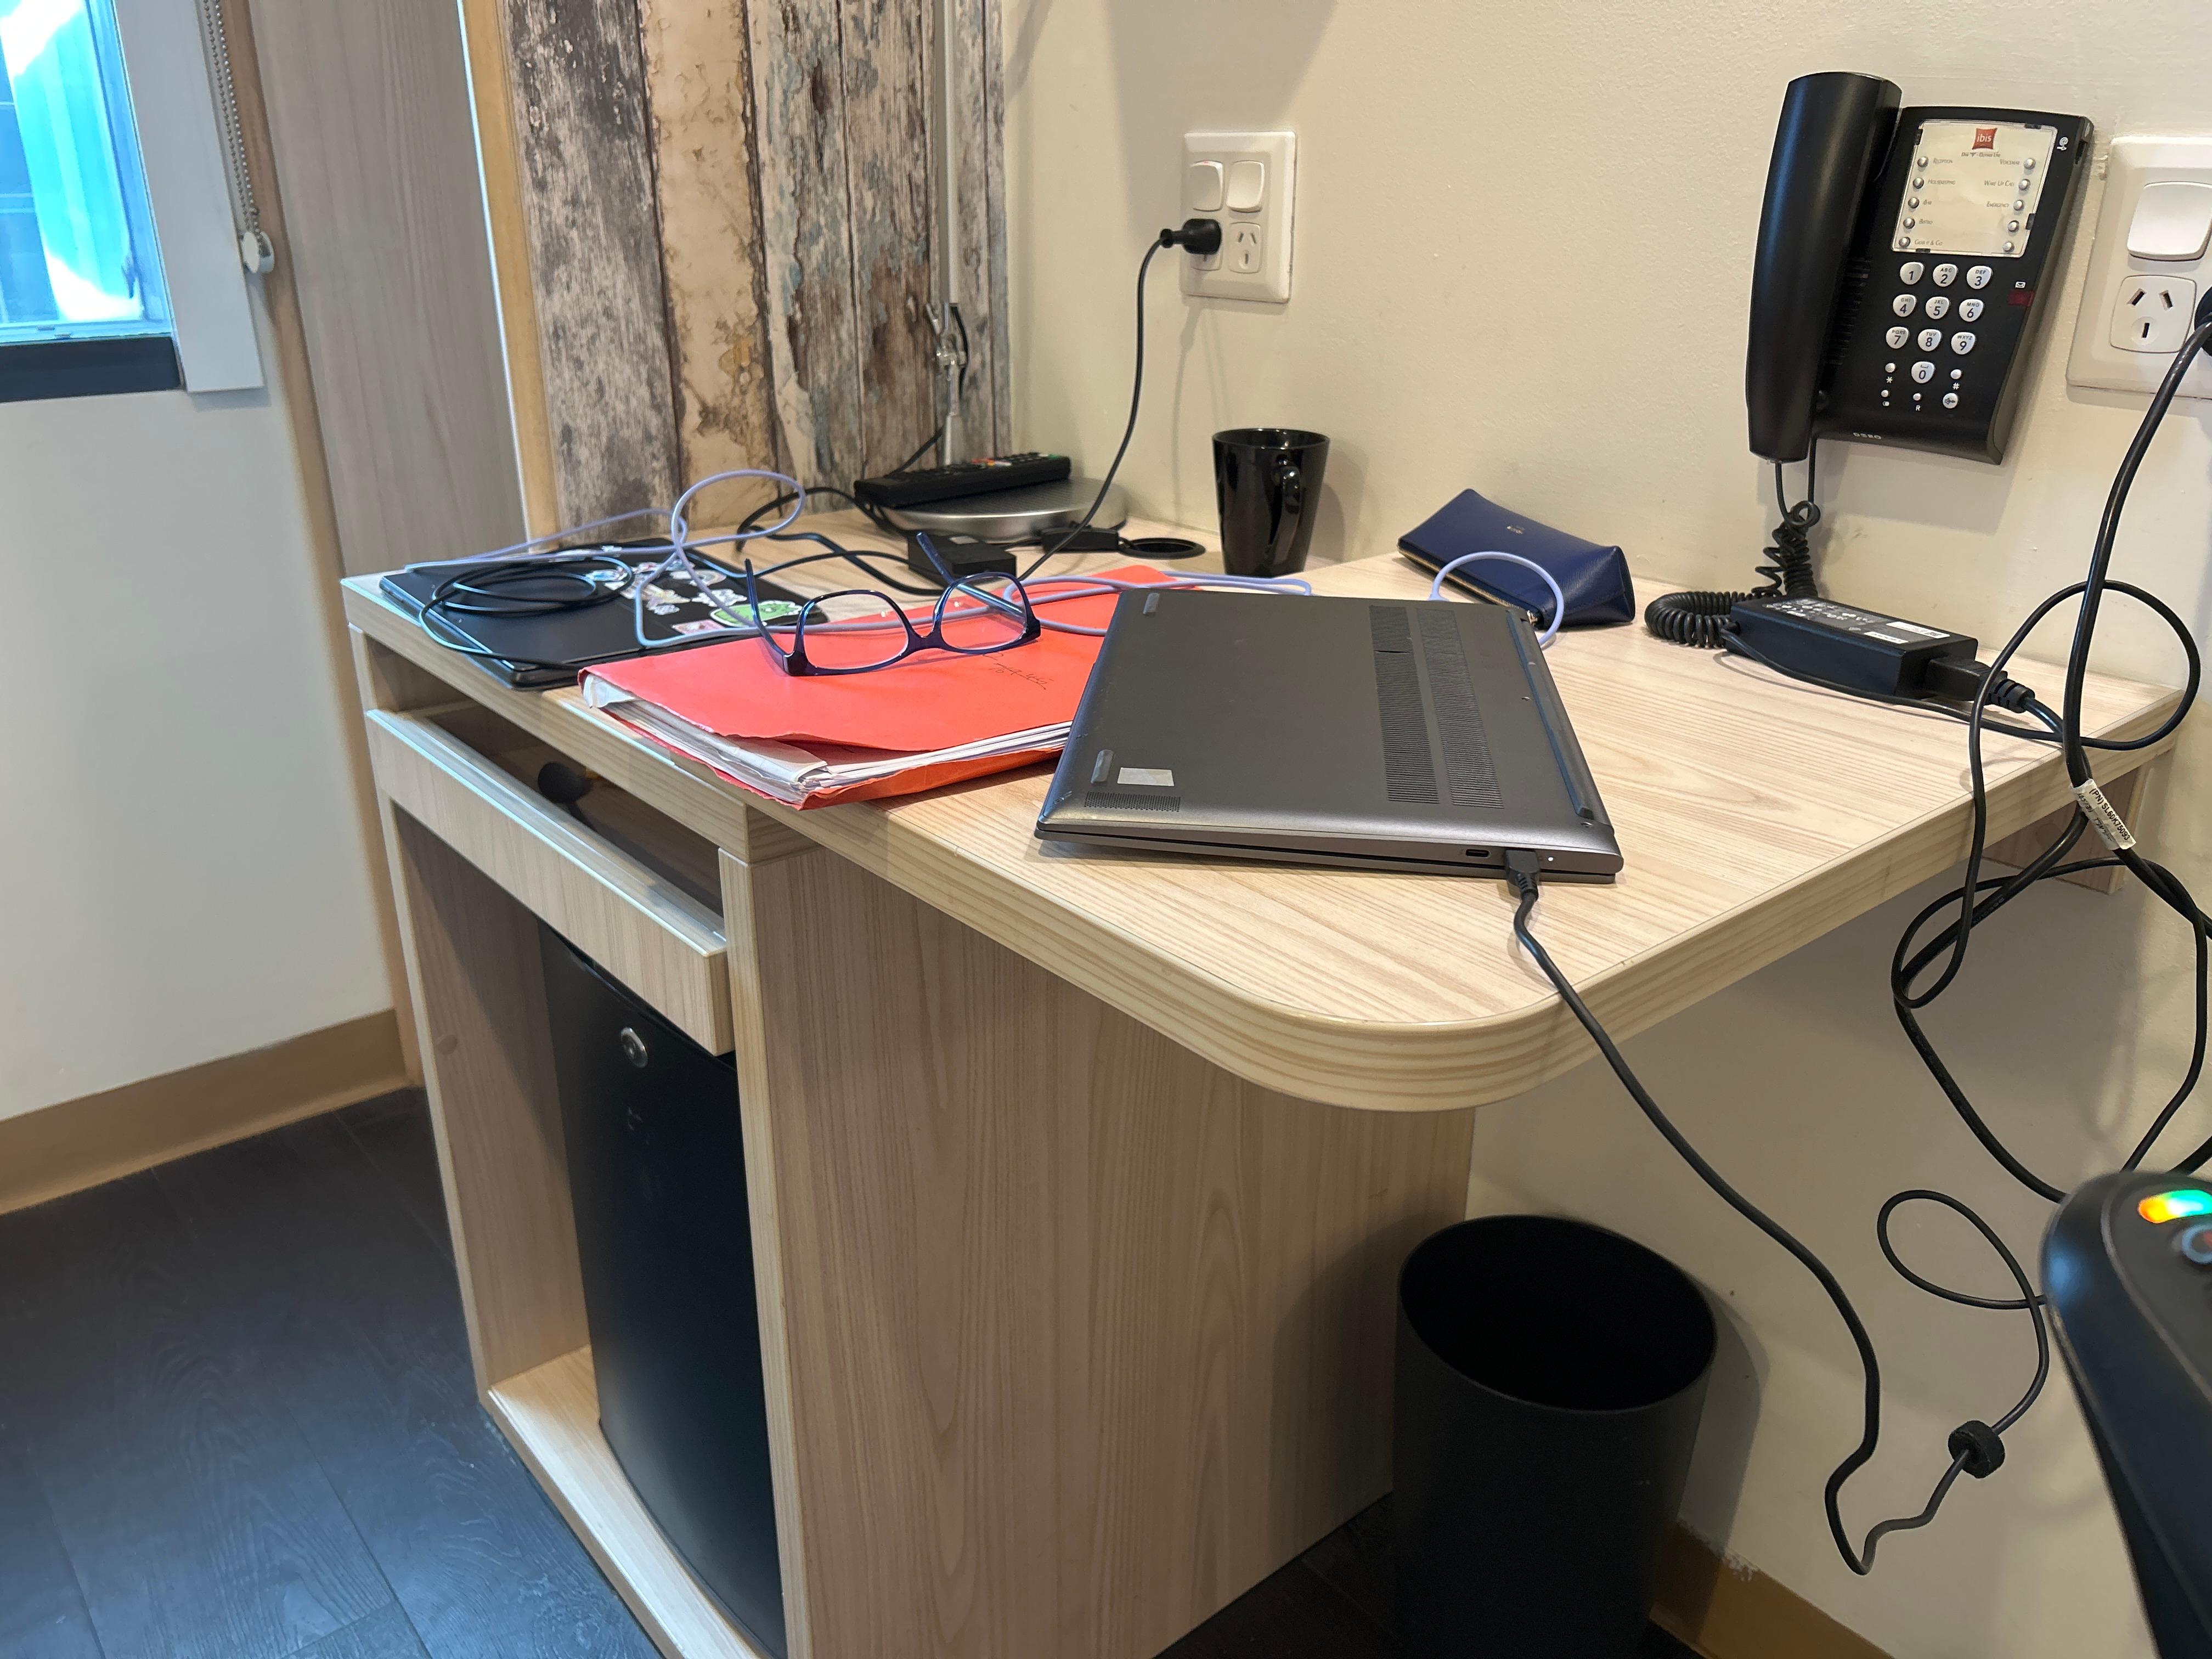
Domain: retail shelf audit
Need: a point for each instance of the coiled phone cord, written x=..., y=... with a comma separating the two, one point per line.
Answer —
x=1699, y=617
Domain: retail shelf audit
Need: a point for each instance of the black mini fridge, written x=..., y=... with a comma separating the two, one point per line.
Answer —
x=657, y=1170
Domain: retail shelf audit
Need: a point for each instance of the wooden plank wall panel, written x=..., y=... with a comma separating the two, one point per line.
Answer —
x=714, y=225
x=886, y=85
x=499, y=154
x=805, y=245
x=980, y=95
x=368, y=109
x=698, y=66
x=576, y=70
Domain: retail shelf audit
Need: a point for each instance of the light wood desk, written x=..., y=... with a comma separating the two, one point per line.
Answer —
x=1078, y=1180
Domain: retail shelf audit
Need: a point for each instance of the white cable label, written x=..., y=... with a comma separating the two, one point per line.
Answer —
x=2111, y=829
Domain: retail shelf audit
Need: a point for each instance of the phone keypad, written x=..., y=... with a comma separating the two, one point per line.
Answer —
x=1931, y=341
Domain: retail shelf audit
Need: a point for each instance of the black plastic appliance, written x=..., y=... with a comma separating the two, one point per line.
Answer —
x=2127, y=1267
x=657, y=1171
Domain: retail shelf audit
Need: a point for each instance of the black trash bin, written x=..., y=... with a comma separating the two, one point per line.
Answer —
x=1550, y=1378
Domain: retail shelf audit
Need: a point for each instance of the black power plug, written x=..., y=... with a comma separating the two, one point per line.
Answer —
x=947, y=557
x=1203, y=237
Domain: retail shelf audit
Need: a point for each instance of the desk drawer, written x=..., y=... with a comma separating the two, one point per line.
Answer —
x=632, y=920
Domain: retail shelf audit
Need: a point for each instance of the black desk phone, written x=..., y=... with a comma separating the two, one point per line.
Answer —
x=1904, y=266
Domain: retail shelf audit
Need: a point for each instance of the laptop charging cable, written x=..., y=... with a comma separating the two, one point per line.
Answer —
x=1977, y=1447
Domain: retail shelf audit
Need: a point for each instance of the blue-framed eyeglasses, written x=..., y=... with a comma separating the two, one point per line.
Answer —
x=974, y=617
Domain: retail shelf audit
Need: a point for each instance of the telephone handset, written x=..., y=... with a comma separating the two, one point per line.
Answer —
x=1828, y=149
x=1901, y=267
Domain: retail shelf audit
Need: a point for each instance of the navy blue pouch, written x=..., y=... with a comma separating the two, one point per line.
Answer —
x=1594, y=578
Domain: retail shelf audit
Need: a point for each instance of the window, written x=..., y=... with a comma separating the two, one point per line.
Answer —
x=83, y=307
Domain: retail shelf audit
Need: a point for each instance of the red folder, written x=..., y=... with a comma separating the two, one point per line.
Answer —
x=930, y=701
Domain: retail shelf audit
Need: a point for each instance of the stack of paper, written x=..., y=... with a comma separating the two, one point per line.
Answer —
x=826, y=772
x=811, y=740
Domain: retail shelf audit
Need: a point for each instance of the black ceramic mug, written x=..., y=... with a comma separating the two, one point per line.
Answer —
x=1266, y=481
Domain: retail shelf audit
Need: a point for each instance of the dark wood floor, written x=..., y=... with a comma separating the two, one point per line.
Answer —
x=237, y=1422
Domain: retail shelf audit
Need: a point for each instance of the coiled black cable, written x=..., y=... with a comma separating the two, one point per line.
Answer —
x=1975, y=1448
x=1699, y=617
x=542, y=585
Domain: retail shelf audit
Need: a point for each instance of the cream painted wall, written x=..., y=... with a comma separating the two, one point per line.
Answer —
x=182, y=871
x=1522, y=256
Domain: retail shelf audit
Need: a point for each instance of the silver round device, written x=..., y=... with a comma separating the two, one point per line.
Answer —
x=1013, y=515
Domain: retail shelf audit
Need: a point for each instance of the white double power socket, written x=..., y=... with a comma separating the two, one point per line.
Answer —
x=2150, y=267
x=1248, y=181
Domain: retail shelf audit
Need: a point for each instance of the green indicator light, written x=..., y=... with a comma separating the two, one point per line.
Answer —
x=2171, y=1207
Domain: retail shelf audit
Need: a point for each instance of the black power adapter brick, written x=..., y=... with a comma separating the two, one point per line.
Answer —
x=961, y=556
x=1864, y=651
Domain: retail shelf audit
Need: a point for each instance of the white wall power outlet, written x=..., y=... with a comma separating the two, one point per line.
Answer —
x=2150, y=265
x=1247, y=180
x=2153, y=313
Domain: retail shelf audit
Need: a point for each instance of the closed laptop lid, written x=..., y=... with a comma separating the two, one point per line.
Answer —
x=1356, y=729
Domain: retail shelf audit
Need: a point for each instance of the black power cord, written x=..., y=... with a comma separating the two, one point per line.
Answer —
x=1700, y=617
x=1199, y=236
x=584, y=579
x=1977, y=1449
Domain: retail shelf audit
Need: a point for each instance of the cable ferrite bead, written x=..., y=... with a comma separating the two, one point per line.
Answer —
x=1982, y=1447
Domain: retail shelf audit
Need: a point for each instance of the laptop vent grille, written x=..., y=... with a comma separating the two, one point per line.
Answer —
x=1115, y=800
x=1467, y=765
x=1409, y=774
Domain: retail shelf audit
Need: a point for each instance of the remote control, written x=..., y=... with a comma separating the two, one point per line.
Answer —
x=984, y=476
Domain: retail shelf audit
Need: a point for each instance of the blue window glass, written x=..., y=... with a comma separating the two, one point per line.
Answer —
x=77, y=255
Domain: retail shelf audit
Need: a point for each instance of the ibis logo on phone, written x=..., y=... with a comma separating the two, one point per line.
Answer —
x=1985, y=137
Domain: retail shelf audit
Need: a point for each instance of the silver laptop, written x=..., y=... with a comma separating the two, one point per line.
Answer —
x=1378, y=733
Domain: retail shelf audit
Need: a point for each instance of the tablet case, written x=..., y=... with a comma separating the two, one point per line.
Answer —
x=1594, y=578
x=678, y=605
